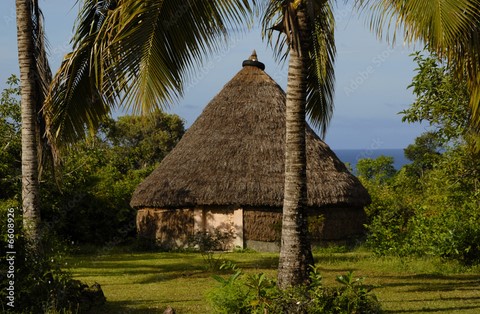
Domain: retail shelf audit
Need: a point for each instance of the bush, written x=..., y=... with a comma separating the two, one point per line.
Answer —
x=88, y=199
x=431, y=206
x=34, y=281
x=435, y=214
x=206, y=241
x=255, y=293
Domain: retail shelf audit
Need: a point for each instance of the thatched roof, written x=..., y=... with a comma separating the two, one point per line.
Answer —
x=234, y=155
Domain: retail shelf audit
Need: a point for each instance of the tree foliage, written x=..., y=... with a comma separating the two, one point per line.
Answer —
x=10, y=144
x=379, y=170
x=98, y=176
x=431, y=206
x=441, y=100
x=449, y=29
x=143, y=141
x=424, y=153
x=101, y=173
x=435, y=213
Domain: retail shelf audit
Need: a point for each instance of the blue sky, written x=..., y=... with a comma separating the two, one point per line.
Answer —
x=371, y=76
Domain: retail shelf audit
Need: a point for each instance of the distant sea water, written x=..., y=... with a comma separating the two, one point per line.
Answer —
x=352, y=156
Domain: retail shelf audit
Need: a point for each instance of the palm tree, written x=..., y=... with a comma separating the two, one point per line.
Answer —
x=449, y=28
x=306, y=28
x=140, y=53
x=35, y=77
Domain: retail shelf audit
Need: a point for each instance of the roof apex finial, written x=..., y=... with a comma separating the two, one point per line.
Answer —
x=253, y=61
x=253, y=57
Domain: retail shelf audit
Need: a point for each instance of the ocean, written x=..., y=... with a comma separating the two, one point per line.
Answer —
x=352, y=156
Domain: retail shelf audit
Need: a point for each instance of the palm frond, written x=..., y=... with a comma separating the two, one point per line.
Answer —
x=138, y=55
x=74, y=100
x=449, y=28
x=272, y=24
x=173, y=39
x=321, y=72
x=436, y=22
x=467, y=64
x=279, y=17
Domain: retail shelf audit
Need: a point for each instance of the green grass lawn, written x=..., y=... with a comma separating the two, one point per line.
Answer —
x=149, y=282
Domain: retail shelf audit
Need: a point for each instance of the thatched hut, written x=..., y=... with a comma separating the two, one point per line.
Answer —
x=226, y=175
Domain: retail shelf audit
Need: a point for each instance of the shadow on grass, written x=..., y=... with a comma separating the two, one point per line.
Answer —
x=261, y=262
x=432, y=282
x=114, y=270
x=159, y=267
x=436, y=309
x=125, y=307
x=337, y=258
x=447, y=299
x=208, y=268
x=436, y=292
x=151, y=268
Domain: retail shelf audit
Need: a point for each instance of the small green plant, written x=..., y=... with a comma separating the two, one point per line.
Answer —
x=256, y=293
x=262, y=292
x=212, y=261
x=230, y=296
x=354, y=296
x=207, y=243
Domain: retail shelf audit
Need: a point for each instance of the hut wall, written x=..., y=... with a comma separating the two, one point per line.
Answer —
x=222, y=223
x=336, y=223
x=262, y=224
x=169, y=228
x=262, y=227
x=255, y=228
x=174, y=228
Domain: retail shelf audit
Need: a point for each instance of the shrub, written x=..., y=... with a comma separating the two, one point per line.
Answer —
x=436, y=214
x=206, y=241
x=255, y=293
x=34, y=281
x=431, y=206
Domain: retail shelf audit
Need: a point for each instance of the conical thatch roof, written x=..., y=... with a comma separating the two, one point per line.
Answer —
x=234, y=155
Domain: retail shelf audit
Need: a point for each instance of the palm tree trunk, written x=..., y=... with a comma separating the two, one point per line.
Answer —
x=295, y=254
x=26, y=60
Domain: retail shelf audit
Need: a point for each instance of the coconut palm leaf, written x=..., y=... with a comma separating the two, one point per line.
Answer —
x=321, y=72
x=74, y=99
x=450, y=28
x=278, y=15
x=138, y=55
x=435, y=21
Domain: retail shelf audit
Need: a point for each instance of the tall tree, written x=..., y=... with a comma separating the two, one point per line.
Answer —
x=449, y=28
x=307, y=31
x=295, y=253
x=35, y=76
